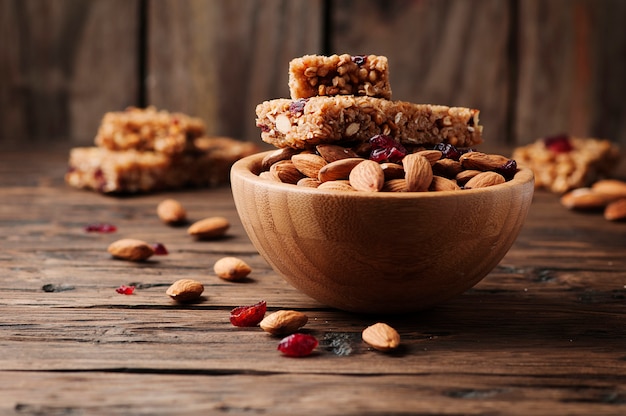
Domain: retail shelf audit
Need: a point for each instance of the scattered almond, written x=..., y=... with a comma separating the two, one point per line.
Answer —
x=283, y=322
x=611, y=187
x=367, y=176
x=131, y=249
x=231, y=268
x=584, y=199
x=616, y=210
x=185, y=290
x=172, y=212
x=381, y=337
x=212, y=227
x=485, y=179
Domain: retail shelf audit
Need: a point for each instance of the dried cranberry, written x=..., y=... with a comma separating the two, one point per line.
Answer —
x=558, y=144
x=248, y=315
x=297, y=106
x=125, y=290
x=159, y=249
x=359, y=59
x=508, y=170
x=386, y=149
x=448, y=151
x=298, y=345
x=100, y=228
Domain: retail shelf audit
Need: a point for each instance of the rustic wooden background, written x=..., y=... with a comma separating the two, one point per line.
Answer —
x=533, y=67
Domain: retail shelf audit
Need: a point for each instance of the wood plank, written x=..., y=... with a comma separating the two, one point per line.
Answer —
x=449, y=52
x=69, y=62
x=543, y=333
x=218, y=60
x=570, y=55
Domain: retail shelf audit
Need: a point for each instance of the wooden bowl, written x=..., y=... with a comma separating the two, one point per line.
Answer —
x=379, y=252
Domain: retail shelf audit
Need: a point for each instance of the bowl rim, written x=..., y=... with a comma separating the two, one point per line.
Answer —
x=246, y=167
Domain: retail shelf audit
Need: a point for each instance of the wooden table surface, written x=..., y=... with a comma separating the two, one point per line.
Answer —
x=544, y=333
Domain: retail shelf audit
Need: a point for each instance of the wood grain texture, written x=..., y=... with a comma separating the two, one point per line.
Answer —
x=68, y=62
x=449, y=52
x=569, y=55
x=542, y=334
x=219, y=59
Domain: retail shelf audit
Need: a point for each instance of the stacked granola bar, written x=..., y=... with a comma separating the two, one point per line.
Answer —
x=344, y=98
x=145, y=150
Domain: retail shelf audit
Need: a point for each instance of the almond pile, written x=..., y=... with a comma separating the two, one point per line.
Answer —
x=335, y=167
x=607, y=195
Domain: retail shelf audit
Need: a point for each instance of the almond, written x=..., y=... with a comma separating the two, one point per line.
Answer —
x=231, y=268
x=418, y=172
x=308, y=183
x=131, y=249
x=308, y=164
x=395, y=185
x=283, y=124
x=448, y=168
x=367, y=176
x=170, y=211
x=208, y=228
x=336, y=186
x=339, y=169
x=482, y=161
x=616, y=210
x=440, y=183
x=584, y=199
x=612, y=187
x=431, y=155
x=332, y=152
x=485, y=179
x=286, y=171
x=185, y=290
x=283, y=322
x=381, y=337
x=392, y=170
x=276, y=156
x=465, y=175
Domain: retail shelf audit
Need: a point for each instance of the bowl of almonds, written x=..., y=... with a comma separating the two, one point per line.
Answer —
x=364, y=243
x=373, y=205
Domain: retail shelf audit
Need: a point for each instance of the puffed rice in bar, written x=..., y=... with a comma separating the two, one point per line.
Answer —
x=313, y=75
x=146, y=129
x=131, y=171
x=308, y=122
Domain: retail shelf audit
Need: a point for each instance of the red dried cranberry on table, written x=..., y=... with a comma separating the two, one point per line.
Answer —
x=100, y=228
x=159, y=249
x=244, y=316
x=125, y=290
x=298, y=345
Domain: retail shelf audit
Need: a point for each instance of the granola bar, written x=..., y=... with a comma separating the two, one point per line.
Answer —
x=308, y=122
x=133, y=171
x=149, y=130
x=562, y=163
x=345, y=74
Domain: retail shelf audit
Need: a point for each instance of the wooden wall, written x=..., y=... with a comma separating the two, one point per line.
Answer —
x=533, y=67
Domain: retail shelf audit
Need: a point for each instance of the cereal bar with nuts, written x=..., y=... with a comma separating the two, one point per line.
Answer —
x=313, y=75
x=308, y=122
x=133, y=171
x=562, y=162
x=148, y=130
